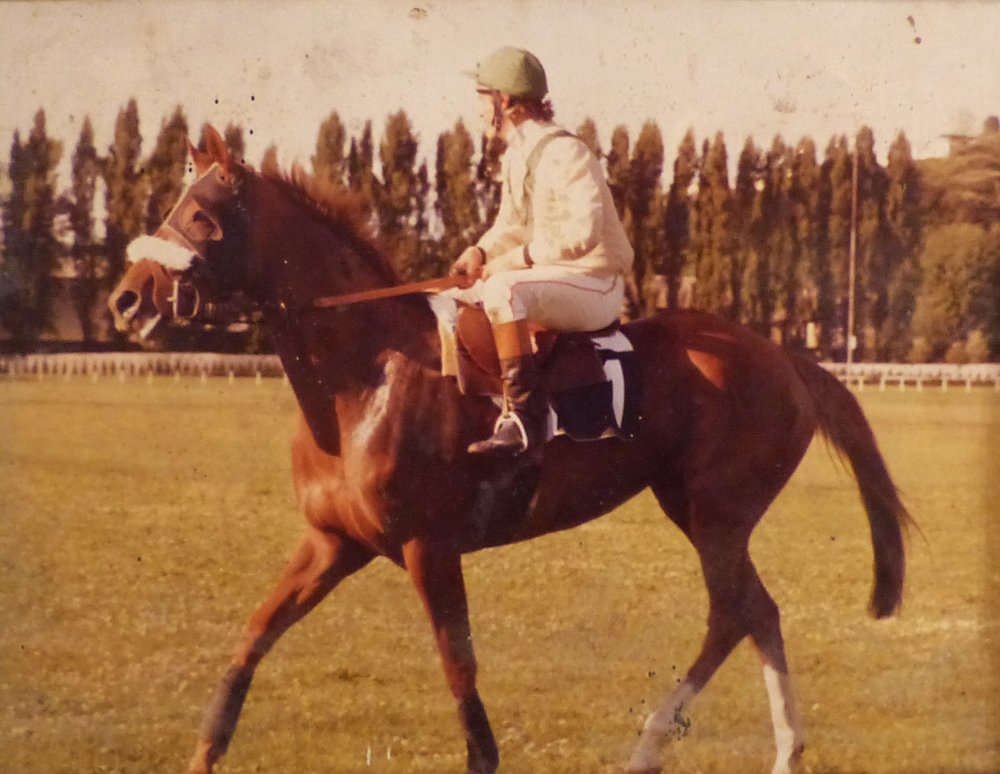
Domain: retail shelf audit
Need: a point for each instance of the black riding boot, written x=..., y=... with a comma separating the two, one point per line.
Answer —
x=521, y=426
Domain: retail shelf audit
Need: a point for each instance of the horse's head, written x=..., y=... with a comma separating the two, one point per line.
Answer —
x=197, y=256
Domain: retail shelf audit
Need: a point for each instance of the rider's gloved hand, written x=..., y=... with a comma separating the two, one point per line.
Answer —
x=469, y=265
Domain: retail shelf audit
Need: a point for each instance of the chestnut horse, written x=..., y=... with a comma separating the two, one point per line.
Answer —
x=380, y=463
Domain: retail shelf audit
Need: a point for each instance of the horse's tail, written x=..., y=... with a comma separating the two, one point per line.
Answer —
x=843, y=423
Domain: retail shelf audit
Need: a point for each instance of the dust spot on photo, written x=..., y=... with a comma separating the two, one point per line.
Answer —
x=784, y=105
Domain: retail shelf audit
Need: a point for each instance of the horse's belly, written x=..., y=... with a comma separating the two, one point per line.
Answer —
x=583, y=481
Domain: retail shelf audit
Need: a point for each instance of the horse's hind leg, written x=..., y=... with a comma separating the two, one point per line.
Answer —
x=319, y=563
x=739, y=606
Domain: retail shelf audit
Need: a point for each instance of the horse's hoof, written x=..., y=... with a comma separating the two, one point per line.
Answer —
x=482, y=766
x=643, y=764
x=203, y=760
x=792, y=764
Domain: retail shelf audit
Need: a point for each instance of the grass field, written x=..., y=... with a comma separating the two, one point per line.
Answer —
x=141, y=522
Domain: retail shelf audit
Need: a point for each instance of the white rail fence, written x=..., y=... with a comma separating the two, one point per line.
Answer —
x=917, y=375
x=134, y=364
x=124, y=365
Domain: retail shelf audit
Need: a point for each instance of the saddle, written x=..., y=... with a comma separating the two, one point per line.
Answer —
x=590, y=378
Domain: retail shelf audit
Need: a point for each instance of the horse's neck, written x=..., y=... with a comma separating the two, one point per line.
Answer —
x=300, y=257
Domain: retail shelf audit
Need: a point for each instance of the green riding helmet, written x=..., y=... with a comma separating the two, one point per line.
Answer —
x=512, y=71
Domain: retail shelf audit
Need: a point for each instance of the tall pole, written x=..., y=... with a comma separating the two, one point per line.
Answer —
x=852, y=262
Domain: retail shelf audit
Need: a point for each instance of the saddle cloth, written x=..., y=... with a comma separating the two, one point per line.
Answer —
x=590, y=379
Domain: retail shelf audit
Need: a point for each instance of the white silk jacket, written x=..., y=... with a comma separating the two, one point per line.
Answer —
x=572, y=222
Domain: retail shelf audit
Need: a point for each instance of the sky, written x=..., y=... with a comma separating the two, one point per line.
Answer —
x=748, y=69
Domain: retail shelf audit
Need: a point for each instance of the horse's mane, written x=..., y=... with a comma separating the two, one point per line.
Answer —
x=342, y=209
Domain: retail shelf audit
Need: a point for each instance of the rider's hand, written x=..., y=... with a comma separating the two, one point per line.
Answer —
x=469, y=264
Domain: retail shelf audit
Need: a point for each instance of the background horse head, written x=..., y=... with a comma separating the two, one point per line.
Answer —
x=380, y=467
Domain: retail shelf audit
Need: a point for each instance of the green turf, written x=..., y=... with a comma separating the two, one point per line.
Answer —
x=142, y=521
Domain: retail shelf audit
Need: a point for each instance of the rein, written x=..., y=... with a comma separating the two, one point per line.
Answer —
x=425, y=286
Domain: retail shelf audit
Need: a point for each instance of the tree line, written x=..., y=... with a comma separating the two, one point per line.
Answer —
x=772, y=248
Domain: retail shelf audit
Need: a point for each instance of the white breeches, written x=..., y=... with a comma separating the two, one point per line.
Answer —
x=548, y=296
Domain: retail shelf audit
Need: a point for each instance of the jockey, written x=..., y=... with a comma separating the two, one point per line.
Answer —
x=556, y=256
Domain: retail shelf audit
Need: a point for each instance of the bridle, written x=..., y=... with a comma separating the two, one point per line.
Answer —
x=187, y=240
x=179, y=253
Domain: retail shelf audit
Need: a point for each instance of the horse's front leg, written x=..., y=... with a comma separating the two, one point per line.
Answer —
x=437, y=574
x=319, y=563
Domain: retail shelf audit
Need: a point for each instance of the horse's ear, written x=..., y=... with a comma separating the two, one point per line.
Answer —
x=216, y=146
x=202, y=161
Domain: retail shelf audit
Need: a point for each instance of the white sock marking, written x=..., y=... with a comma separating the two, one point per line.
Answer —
x=788, y=736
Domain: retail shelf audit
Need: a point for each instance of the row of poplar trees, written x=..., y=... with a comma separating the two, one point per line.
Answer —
x=769, y=249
